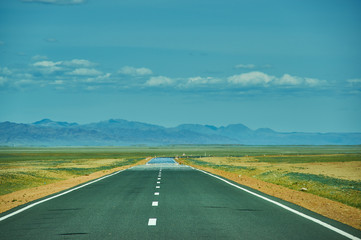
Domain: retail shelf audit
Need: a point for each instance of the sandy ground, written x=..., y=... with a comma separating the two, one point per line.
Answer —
x=343, y=170
x=17, y=198
x=328, y=208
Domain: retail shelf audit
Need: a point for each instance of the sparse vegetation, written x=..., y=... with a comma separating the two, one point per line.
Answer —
x=344, y=191
x=300, y=169
x=311, y=158
x=22, y=168
x=288, y=166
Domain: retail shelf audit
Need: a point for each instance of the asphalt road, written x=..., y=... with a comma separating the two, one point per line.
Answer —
x=165, y=201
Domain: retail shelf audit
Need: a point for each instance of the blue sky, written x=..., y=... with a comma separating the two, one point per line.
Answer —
x=287, y=65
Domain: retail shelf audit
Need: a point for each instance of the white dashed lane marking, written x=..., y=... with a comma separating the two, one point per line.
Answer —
x=152, y=222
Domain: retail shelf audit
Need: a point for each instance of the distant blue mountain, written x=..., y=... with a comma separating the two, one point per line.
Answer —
x=49, y=123
x=116, y=132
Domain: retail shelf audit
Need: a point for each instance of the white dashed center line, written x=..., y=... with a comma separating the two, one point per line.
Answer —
x=152, y=222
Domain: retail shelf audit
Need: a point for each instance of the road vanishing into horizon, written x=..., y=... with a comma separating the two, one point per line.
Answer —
x=164, y=200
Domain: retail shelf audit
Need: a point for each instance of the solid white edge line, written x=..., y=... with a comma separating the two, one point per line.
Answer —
x=58, y=195
x=339, y=231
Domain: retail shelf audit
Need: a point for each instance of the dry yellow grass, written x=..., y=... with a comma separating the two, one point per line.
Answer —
x=342, y=170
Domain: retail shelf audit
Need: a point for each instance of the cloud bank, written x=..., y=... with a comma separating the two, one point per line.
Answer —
x=83, y=74
x=265, y=80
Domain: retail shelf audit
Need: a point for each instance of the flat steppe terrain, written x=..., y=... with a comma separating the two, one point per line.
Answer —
x=324, y=179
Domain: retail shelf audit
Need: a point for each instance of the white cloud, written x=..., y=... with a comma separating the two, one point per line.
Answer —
x=245, y=66
x=58, y=2
x=251, y=78
x=313, y=82
x=159, y=81
x=48, y=66
x=78, y=62
x=287, y=79
x=197, y=81
x=85, y=72
x=263, y=79
x=98, y=79
x=127, y=70
x=52, y=66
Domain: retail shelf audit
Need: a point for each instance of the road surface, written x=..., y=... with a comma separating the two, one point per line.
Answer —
x=164, y=200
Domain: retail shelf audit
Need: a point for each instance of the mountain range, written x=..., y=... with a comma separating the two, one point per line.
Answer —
x=119, y=132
